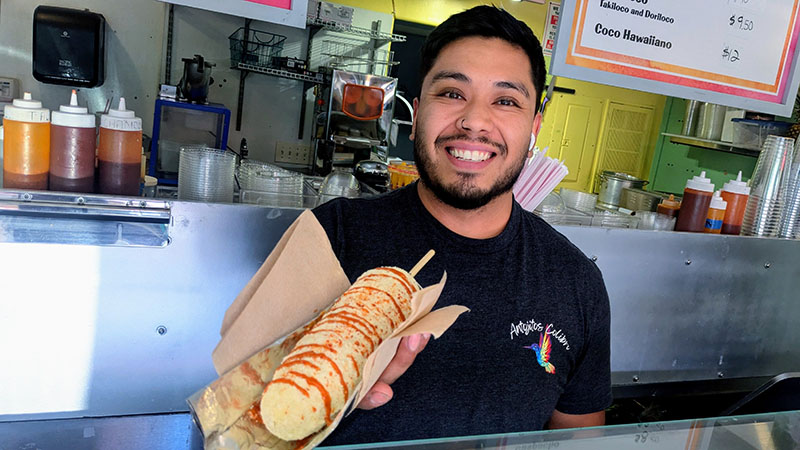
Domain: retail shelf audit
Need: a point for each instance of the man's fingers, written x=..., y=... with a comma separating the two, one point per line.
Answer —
x=408, y=349
x=377, y=396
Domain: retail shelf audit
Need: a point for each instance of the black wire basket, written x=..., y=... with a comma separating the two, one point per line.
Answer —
x=257, y=48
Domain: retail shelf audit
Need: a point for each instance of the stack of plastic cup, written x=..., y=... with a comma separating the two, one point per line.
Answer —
x=762, y=216
x=206, y=174
x=790, y=219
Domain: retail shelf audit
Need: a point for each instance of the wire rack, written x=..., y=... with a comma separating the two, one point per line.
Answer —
x=257, y=48
x=343, y=55
x=364, y=32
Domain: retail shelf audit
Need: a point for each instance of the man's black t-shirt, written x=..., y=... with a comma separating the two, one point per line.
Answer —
x=529, y=285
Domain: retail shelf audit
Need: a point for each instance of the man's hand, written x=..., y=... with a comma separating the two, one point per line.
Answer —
x=381, y=392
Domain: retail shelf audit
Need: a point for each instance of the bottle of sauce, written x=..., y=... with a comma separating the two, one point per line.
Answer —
x=695, y=203
x=72, y=148
x=669, y=207
x=716, y=212
x=26, y=144
x=735, y=192
x=119, y=152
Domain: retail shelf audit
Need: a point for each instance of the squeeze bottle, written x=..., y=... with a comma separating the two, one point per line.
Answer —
x=26, y=144
x=669, y=207
x=716, y=212
x=72, y=148
x=694, y=207
x=119, y=152
x=736, y=193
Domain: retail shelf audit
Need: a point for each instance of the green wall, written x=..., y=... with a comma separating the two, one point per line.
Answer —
x=673, y=164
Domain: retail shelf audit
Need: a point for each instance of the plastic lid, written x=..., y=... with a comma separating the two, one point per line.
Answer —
x=121, y=119
x=737, y=186
x=73, y=116
x=26, y=109
x=671, y=202
x=700, y=183
x=717, y=202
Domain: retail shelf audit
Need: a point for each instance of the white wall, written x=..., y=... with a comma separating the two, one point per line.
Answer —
x=135, y=59
x=134, y=41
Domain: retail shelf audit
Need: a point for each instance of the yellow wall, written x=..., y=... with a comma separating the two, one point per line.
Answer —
x=433, y=12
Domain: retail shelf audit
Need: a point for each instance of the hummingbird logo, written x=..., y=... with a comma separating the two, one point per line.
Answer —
x=543, y=352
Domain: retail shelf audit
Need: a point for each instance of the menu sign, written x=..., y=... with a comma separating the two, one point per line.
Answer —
x=284, y=12
x=736, y=52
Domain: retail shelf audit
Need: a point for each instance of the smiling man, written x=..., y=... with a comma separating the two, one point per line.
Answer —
x=534, y=349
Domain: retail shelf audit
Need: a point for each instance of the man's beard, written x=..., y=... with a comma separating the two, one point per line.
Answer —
x=463, y=194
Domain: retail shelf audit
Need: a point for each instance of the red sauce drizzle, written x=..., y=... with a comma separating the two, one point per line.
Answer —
x=355, y=365
x=349, y=323
x=254, y=413
x=345, y=315
x=394, y=302
x=359, y=307
x=250, y=373
x=333, y=364
x=286, y=381
x=295, y=362
x=322, y=391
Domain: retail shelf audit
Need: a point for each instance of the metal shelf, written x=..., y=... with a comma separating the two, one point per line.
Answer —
x=316, y=78
x=720, y=146
x=333, y=26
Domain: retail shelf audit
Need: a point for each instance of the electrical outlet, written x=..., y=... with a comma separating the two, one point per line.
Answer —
x=292, y=153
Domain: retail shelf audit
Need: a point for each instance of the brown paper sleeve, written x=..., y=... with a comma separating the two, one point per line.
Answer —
x=298, y=280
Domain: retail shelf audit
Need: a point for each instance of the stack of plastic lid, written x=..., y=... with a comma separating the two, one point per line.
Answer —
x=270, y=185
x=762, y=216
x=790, y=219
x=206, y=174
x=579, y=200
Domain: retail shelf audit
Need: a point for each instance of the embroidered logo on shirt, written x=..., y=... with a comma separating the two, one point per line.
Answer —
x=532, y=326
x=542, y=351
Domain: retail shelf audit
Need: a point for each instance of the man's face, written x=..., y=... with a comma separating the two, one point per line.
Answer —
x=473, y=121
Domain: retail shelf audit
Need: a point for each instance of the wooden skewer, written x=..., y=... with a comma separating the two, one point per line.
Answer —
x=417, y=267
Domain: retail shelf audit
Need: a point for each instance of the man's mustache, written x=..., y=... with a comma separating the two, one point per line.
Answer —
x=441, y=140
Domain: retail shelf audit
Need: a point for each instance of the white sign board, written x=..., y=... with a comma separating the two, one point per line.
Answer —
x=284, y=12
x=738, y=53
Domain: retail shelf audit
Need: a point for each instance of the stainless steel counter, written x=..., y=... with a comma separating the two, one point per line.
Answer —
x=125, y=327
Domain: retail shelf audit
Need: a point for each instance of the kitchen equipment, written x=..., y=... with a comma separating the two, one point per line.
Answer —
x=649, y=220
x=72, y=148
x=374, y=174
x=694, y=206
x=753, y=133
x=690, y=118
x=353, y=117
x=762, y=214
x=177, y=124
x=610, y=185
x=206, y=174
x=716, y=214
x=338, y=184
x=255, y=47
x=196, y=79
x=26, y=144
x=579, y=200
x=119, y=152
x=711, y=120
x=274, y=185
x=68, y=46
x=735, y=193
x=639, y=200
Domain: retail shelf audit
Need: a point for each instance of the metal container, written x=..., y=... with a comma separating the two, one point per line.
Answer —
x=639, y=200
x=690, y=117
x=610, y=185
